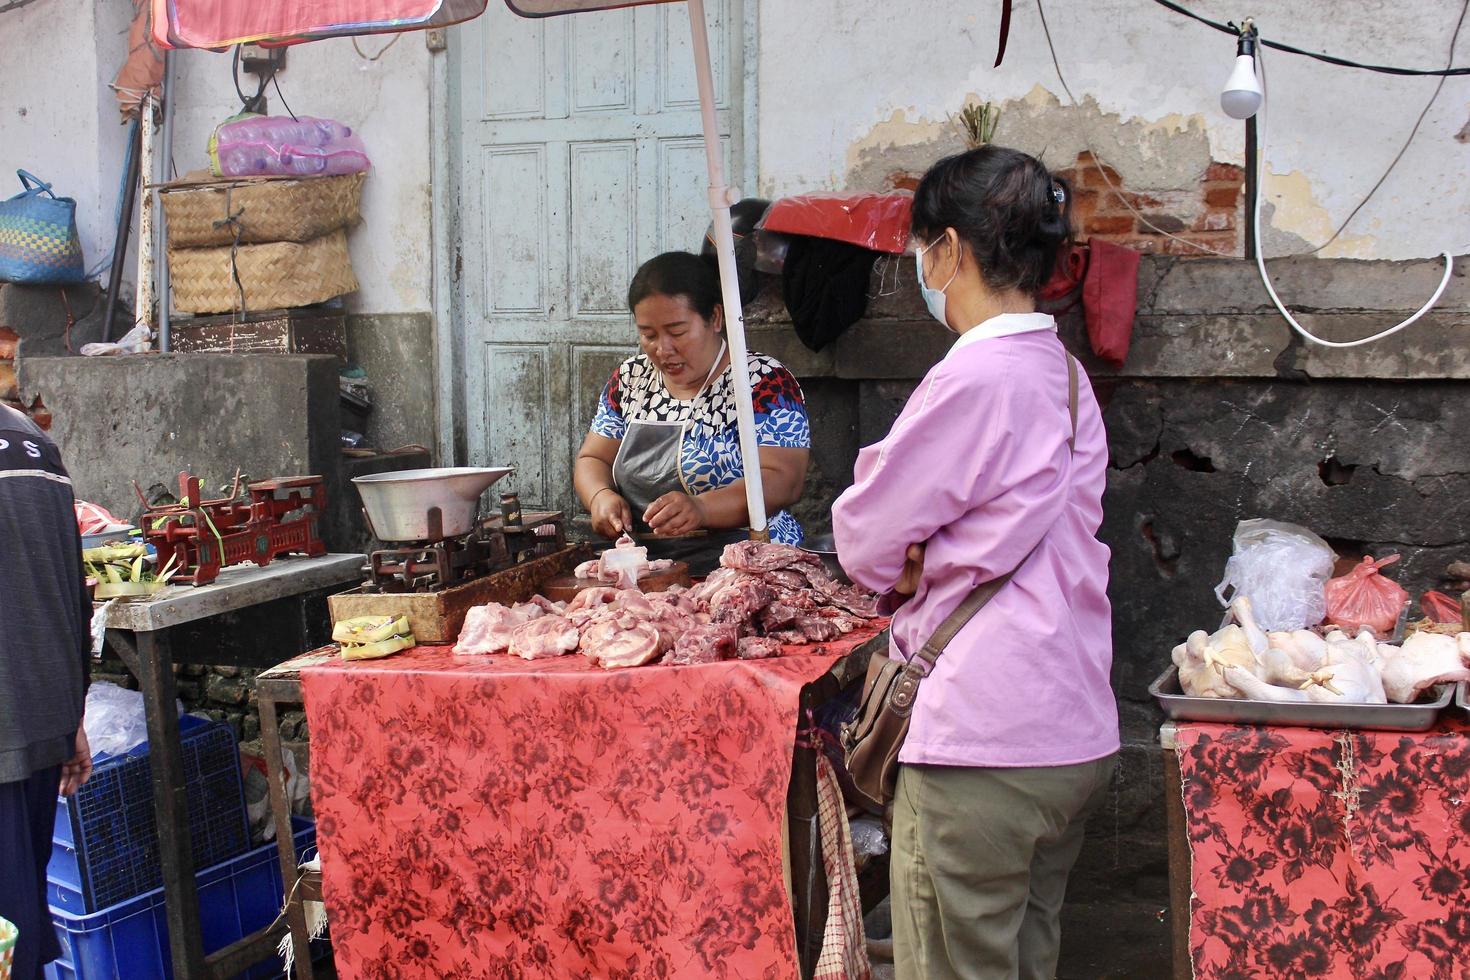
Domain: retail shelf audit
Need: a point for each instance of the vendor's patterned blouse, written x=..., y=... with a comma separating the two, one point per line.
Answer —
x=710, y=457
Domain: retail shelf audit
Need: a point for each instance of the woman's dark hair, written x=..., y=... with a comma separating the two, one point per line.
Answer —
x=678, y=274
x=1006, y=206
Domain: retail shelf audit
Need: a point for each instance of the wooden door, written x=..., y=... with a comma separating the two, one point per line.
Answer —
x=581, y=156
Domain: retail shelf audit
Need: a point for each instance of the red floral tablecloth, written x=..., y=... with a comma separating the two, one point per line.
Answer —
x=1328, y=854
x=490, y=817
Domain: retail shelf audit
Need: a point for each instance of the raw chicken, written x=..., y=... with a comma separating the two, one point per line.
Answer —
x=1201, y=666
x=1202, y=658
x=1306, y=649
x=1346, y=675
x=548, y=636
x=1425, y=659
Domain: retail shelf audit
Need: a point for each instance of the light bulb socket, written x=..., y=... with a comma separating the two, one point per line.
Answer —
x=1246, y=43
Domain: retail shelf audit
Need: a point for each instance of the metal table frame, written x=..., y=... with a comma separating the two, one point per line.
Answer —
x=1181, y=890
x=138, y=631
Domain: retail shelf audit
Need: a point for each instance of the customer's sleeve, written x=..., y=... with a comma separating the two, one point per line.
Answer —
x=968, y=446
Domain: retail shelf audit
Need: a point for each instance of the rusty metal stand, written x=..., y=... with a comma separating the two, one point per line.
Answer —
x=277, y=686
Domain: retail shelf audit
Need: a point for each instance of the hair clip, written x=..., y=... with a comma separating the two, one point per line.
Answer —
x=1057, y=194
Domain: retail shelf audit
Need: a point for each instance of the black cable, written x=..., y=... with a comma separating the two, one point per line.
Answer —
x=1329, y=59
x=282, y=96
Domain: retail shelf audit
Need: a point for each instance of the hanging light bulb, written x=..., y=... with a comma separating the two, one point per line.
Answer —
x=1241, y=96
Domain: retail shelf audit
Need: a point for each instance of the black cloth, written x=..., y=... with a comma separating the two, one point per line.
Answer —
x=45, y=650
x=27, y=820
x=825, y=286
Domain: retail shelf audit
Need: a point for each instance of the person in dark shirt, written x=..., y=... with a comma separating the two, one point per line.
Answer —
x=45, y=656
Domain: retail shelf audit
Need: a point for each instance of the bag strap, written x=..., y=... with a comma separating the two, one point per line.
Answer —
x=27, y=179
x=985, y=591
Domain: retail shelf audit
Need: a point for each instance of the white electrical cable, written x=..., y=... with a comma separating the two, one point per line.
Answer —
x=1449, y=262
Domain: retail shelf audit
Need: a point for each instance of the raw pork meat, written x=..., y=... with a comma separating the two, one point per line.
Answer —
x=632, y=647
x=487, y=629
x=704, y=645
x=758, y=648
x=622, y=565
x=1425, y=659
x=547, y=636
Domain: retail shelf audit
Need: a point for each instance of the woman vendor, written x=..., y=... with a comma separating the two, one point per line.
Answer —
x=993, y=473
x=662, y=461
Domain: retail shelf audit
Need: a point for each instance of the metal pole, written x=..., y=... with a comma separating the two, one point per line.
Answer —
x=124, y=228
x=165, y=174
x=143, y=308
x=719, y=201
x=1252, y=187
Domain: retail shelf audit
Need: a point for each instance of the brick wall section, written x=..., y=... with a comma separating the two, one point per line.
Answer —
x=1208, y=214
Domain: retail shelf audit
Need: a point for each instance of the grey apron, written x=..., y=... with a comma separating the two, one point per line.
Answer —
x=646, y=467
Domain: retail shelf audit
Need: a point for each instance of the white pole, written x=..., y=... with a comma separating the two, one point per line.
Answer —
x=143, y=308
x=720, y=197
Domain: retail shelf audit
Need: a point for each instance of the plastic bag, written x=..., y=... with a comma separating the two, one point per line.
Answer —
x=1440, y=608
x=876, y=221
x=257, y=146
x=138, y=340
x=1282, y=568
x=92, y=519
x=1363, y=598
x=115, y=723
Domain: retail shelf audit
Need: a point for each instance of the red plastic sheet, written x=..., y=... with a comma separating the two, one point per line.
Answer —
x=1327, y=854
x=876, y=221
x=489, y=817
x=212, y=24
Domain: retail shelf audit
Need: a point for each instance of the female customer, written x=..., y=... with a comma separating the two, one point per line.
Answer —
x=1014, y=734
x=663, y=455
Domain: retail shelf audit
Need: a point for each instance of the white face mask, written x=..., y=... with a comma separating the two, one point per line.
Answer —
x=933, y=298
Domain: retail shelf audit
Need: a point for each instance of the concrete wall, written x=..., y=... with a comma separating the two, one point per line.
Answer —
x=1221, y=414
x=851, y=91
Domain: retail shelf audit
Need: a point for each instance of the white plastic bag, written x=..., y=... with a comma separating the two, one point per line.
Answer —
x=138, y=340
x=115, y=722
x=1283, y=569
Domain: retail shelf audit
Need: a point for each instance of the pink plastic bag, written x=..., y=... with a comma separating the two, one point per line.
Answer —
x=92, y=519
x=1440, y=608
x=258, y=146
x=1364, y=598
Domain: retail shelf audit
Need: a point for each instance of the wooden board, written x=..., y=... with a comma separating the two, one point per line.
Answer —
x=436, y=617
x=276, y=332
x=564, y=588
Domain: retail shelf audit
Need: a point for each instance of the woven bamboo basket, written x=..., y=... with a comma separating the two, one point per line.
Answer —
x=274, y=275
x=265, y=210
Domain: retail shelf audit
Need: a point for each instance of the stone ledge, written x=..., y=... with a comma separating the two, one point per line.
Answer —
x=1202, y=318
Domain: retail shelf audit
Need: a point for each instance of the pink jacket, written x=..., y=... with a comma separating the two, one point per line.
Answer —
x=977, y=466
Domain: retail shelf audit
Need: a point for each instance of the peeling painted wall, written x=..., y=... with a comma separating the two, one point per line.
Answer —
x=853, y=90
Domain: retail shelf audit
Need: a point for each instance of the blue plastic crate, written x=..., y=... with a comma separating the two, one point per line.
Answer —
x=105, y=847
x=130, y=940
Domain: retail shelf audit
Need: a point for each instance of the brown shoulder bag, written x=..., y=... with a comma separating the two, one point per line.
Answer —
x=872, y=740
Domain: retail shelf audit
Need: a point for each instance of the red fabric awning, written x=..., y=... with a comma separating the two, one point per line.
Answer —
x=210, y=24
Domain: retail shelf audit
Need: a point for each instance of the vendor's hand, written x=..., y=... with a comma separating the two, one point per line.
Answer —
x=675, y=513
x=611, y=515
x=913, y=571
x=78, y=769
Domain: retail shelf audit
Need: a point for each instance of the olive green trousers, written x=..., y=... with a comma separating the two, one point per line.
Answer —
x=980, y=863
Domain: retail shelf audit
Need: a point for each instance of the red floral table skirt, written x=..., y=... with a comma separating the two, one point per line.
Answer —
x=492, y=817
x=1328, y=854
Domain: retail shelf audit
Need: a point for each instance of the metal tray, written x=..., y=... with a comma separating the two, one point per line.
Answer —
x=1462, y=695
x=1417, y=717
